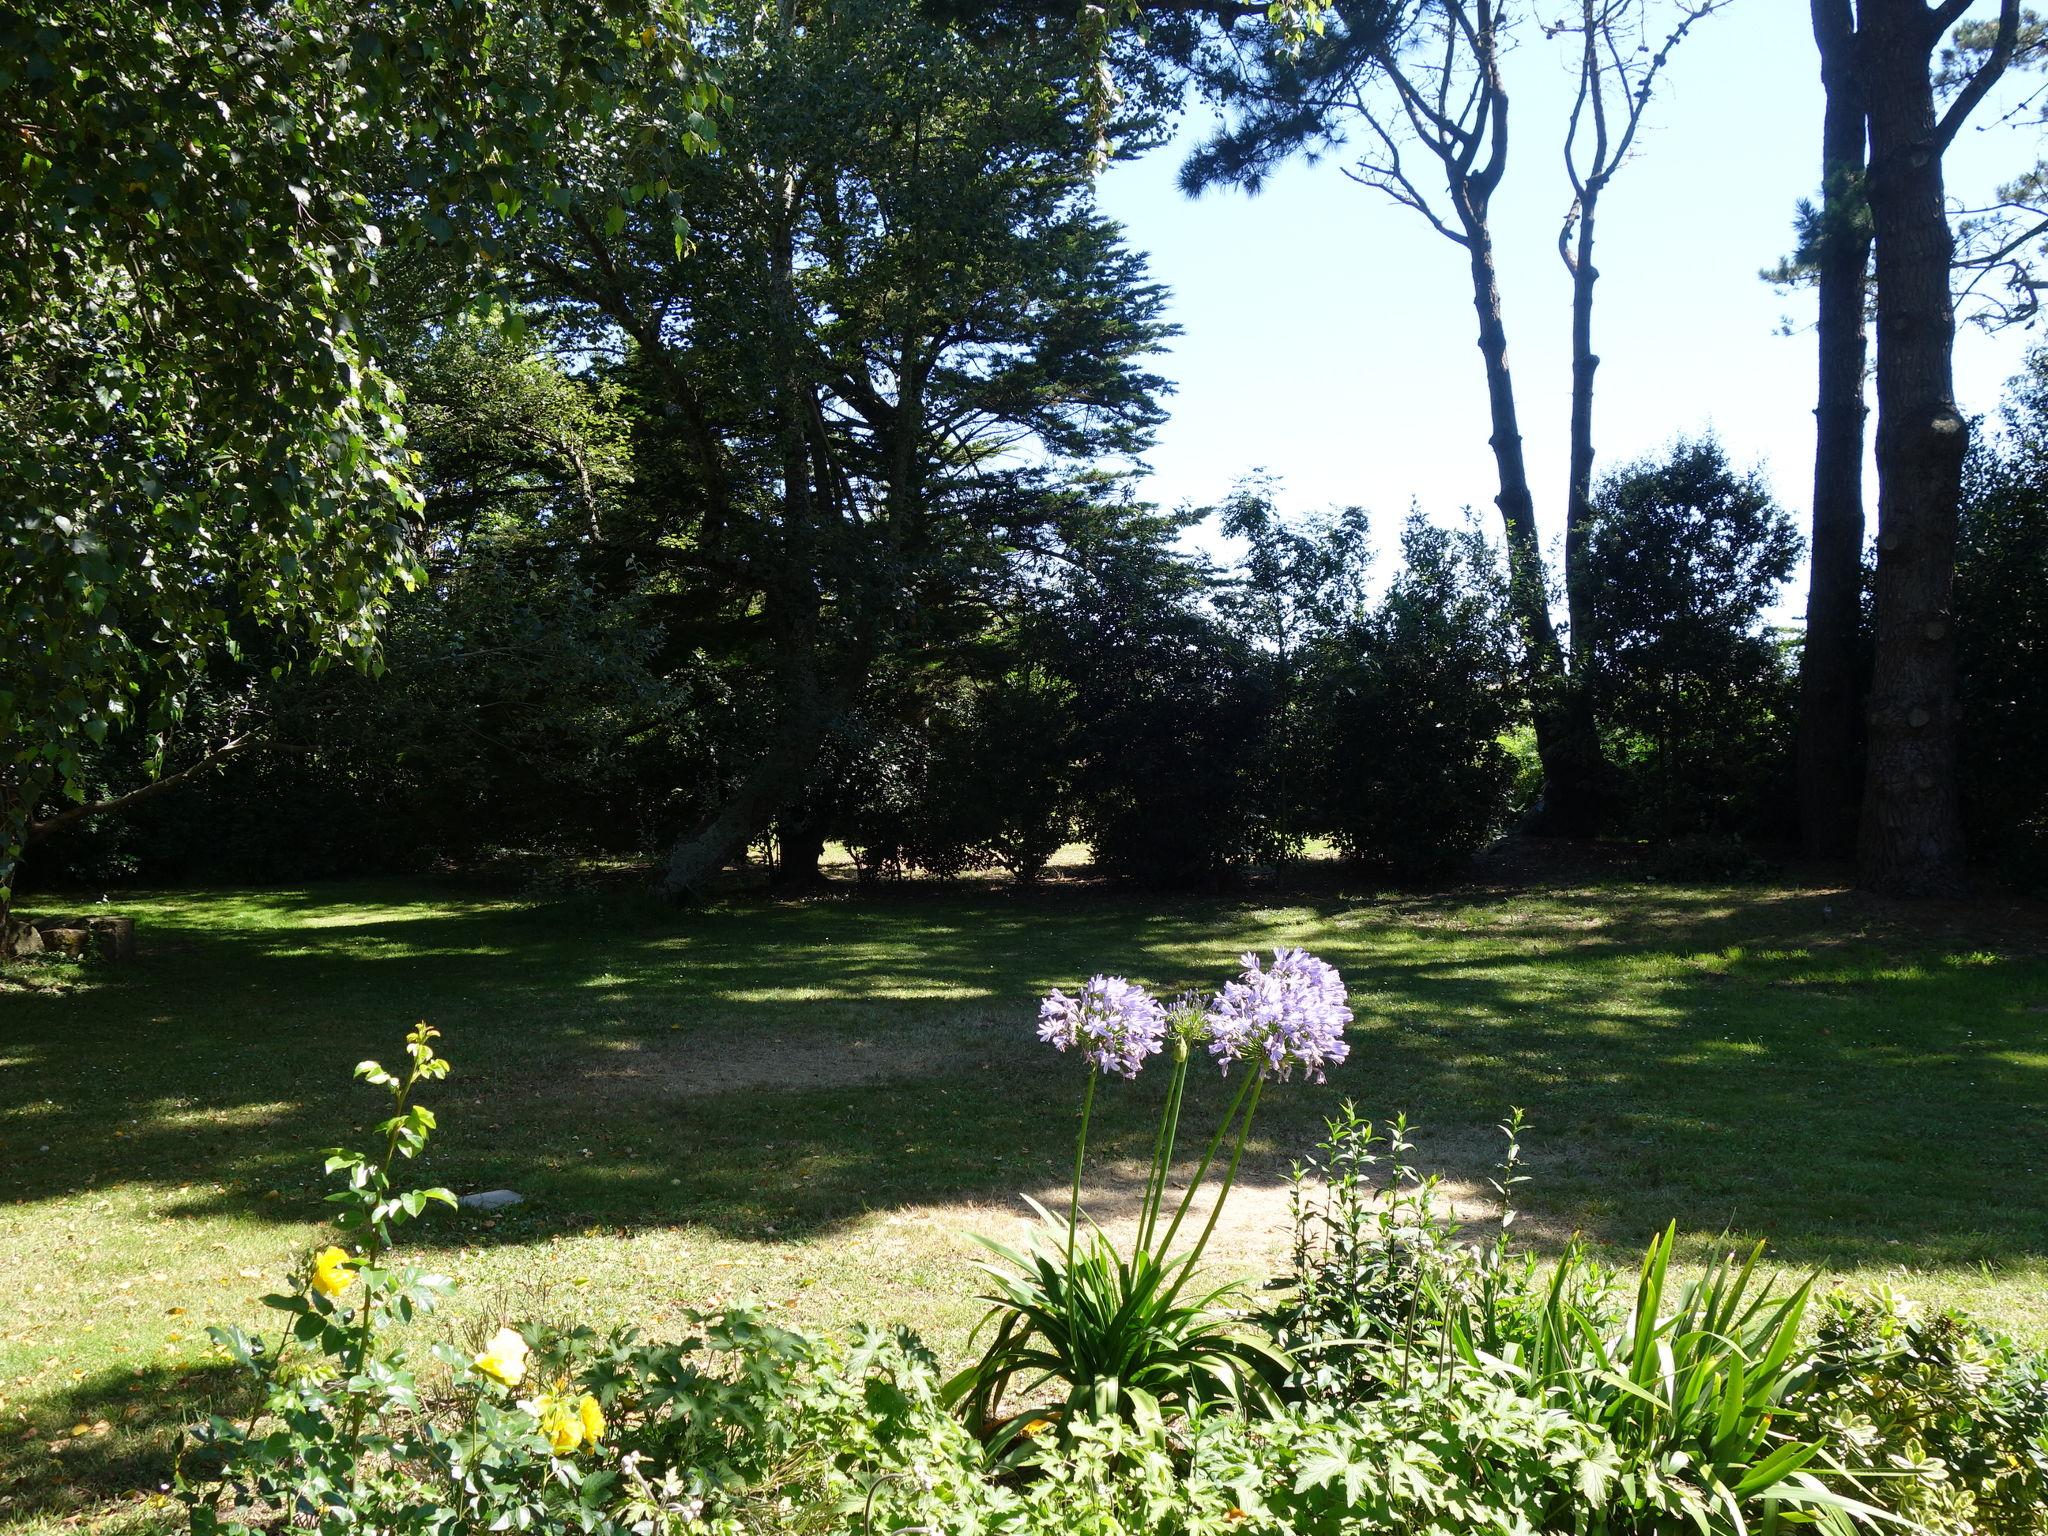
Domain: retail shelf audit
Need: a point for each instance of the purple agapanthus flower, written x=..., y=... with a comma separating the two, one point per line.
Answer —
x=1115, y=1024
x=1292, y=1015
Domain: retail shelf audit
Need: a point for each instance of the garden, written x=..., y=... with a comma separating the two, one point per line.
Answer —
x=1710, y=1204
x=856, y=768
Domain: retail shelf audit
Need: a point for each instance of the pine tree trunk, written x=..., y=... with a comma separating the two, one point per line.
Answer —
x=1565, y=740
x=1829, y=670
x=1911, y=838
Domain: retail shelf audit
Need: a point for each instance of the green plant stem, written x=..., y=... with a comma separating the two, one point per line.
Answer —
x=1162, y=1149
x=1244, y=1131
x=1080, y=1152
x=374, y=1250
x=1208, y=1156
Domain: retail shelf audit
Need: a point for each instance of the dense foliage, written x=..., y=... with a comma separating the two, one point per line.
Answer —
x=193, y=432
x=2002, y=637
x=1399, y=727
x=1686, y=555
x=690, y=507
x=199, y=442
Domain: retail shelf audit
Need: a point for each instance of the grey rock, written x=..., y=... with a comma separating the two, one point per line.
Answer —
x=490, y=1199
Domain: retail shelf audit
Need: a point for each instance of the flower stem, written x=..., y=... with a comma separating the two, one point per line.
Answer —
x=1208, y=1156
x=1162, y=1149
x=1244, y=1131
x=1080, y=1151
x=373, y=1246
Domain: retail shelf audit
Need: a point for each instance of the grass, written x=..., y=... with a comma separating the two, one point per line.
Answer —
x=805, y=1104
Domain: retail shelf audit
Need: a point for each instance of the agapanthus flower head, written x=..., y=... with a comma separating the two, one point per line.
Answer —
x=1290, y=1015
x=1115, y=1024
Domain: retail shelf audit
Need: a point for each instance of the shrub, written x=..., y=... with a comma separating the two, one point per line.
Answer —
x=1703, y=857
x=1399, y=723
x=1174, y=717
x=1376, y=1260
x=1684, y=557
x=983, y=776
x=1952, y=1417
x=741, y=1427
x=1435, y=1383
x=2001, y=609
x=1002, y=771
x=1447, y=1456
x=1689, y=1399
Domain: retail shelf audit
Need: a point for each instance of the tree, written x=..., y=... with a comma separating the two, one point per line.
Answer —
x=195, y=436
x=1685, y=557
x=527, y=699
x=861, y=393
x=1296, y=580
x=1617, y=73
x=1403, y=77
x=1176, y=709
x=1836, y=246
x=1911, y=837
x=2002, y=636
x=192, y=432
x=1999, y=246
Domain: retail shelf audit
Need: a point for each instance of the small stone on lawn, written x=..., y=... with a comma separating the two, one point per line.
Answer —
x=490, y=1200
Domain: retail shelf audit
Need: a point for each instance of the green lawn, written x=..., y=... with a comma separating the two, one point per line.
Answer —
x=806, y=1104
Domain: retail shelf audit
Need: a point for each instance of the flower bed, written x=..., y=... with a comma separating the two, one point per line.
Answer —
x=1411, y=1376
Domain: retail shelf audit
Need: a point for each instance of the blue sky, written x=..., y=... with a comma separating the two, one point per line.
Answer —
x=1328, y=335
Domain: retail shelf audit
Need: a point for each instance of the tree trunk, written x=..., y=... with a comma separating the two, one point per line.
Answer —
x=1578, y=513
x=1911, y=840
x=1829, y=666
x=1565, y=740
x=702, y=852
x=799, y=845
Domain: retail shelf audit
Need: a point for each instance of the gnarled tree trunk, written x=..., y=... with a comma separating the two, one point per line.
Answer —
x=773, y=780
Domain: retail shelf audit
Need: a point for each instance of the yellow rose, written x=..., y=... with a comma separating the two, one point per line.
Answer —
x=504, y=1358
x=560, y=1426
x=564, y=1422
x=333, y=1269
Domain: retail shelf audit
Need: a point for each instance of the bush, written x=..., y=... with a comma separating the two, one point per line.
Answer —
x=1401, y=715
x=1693, y=1406
x=1684, y=557
x=2001, y=608
x=1002, y=771
x=1955, y=1415
x=1175, y=719
x=1706, y=858
x=741, y=1427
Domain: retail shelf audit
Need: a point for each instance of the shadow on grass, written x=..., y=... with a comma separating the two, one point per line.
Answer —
x=1798, y=1063
x=111, y=1438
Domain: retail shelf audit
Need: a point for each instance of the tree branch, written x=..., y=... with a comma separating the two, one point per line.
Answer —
x=1987, y=73
x=38, y=830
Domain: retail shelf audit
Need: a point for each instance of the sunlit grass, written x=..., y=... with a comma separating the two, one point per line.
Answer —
x=805, y=1103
